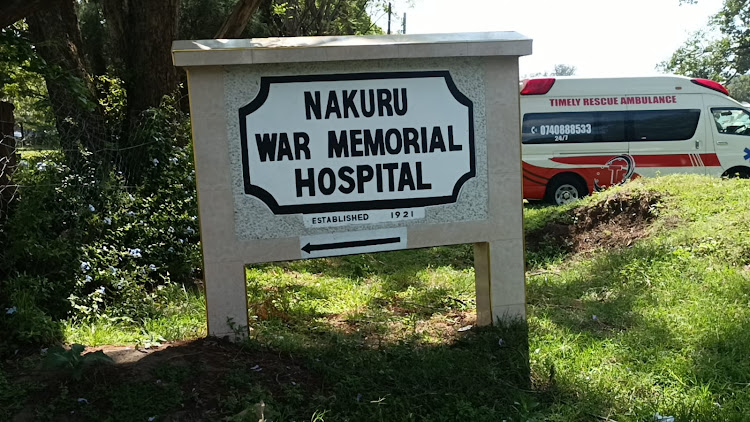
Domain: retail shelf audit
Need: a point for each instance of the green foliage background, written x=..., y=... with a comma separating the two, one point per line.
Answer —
x=108, y=234
x=720, y=52
x=84, y=244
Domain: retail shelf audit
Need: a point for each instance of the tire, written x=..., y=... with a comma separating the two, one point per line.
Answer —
x=564, y=190
x=737, y=173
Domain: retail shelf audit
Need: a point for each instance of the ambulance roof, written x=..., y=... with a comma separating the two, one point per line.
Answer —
x=648, y=85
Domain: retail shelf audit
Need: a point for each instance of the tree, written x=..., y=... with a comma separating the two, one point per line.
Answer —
x=141, y=32
x=237, y=21
x=739, y=88
x=722, y=51
x=128, y=43
x=559, y=70
x=564, y=70
x=12, y=11
x=57, y=39
x=324, y=17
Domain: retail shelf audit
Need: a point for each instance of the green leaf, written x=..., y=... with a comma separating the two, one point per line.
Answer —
x=77, y=349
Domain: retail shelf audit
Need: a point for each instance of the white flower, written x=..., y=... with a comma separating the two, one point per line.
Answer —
x=170, y=250
x=151, y=419
x=88, y=278
x=85, y=266
x=190, y=230
x=11, y=311
x=593, y=317
x=173, y=160
x=41, y=166
x=113, y=270
x=131, y=213
x=91, y=208
x=155, y=161
x=23, y=163
x=107, y=221
x=135, y=253
x=100, y=290
x=170, y=229
x=131, y=197
x=82, y=400
x=152, y=267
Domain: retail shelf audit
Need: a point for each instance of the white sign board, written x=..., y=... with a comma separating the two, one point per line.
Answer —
x=361, y=141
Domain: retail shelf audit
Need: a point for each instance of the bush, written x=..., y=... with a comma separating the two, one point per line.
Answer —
x=86, y=241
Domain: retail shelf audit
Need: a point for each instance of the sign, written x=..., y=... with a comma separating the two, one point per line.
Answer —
x=327, y=146
x=359, y=141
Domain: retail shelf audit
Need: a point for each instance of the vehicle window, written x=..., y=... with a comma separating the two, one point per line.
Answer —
x=664, y=125
x=574, y=127
x=732, y=121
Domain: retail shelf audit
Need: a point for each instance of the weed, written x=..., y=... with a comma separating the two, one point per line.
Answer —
x=72, y=362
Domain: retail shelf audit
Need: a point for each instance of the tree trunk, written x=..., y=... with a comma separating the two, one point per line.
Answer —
x=141, y=34
x=151, y=28
x=8, y=158
x=57, y=39
x=12, y=11
x=238, y=20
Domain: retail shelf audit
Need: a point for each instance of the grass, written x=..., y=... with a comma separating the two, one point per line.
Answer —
x=34, y=153
x=660, y=326
x=181, y=316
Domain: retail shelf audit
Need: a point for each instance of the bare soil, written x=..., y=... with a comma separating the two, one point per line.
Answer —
x=615, y=222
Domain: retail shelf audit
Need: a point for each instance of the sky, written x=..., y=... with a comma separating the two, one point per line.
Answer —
x=598, y=37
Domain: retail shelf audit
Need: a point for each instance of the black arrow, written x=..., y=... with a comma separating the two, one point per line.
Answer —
x=352, y=244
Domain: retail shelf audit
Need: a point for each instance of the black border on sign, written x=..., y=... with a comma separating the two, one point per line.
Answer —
x=270, y=201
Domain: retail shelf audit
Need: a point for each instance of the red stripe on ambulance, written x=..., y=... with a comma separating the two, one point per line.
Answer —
x=661, y=160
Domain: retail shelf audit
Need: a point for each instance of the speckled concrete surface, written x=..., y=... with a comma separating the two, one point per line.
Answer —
x=253, y=219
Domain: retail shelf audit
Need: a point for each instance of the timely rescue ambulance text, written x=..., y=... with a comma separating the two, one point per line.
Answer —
x=605, y=101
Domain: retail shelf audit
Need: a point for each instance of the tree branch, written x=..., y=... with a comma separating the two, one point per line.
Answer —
x=12, y=11
x=238, y=19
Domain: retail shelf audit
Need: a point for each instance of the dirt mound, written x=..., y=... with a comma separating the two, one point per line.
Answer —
x=614, y=222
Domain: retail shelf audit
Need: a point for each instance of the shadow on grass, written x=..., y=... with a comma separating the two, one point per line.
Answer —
x=599, y=295
x=684, y=337
x=399, y=266
x=473, y=377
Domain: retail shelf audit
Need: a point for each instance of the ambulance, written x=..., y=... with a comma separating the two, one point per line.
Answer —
x=582, y=135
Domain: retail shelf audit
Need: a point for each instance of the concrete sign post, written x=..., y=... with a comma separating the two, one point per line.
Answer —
x=323, y=146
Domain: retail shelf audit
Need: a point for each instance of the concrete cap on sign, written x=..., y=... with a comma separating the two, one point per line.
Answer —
x=367, y=47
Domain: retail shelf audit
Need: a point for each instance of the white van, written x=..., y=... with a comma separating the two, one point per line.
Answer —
x=582, y=135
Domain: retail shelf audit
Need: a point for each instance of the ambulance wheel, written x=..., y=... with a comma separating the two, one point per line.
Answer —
x=565, y=189
x=737, y=173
